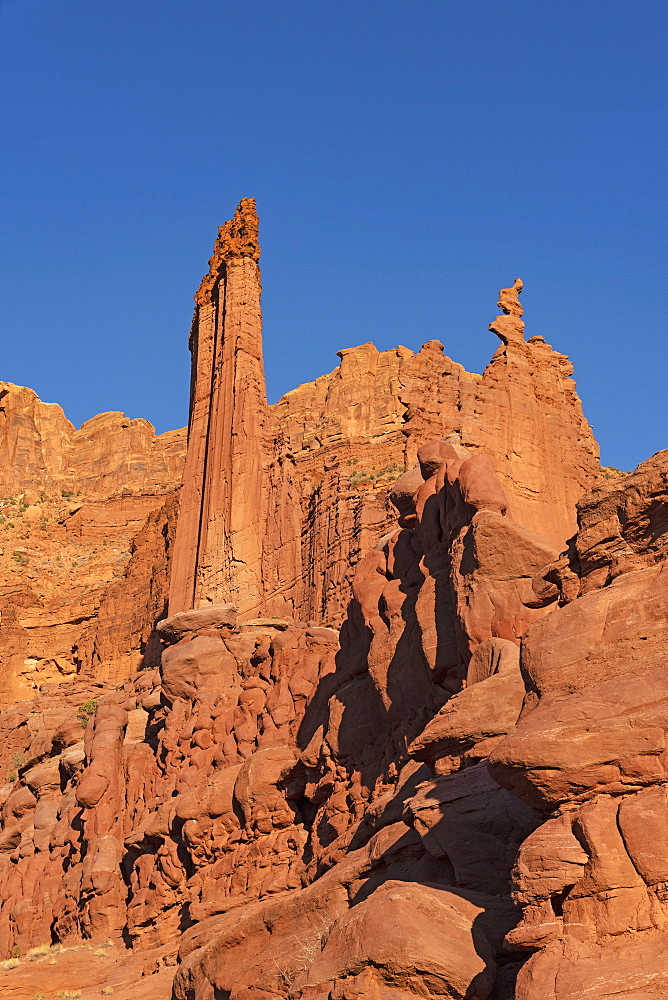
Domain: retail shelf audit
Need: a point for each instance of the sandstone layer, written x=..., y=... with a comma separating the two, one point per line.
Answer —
x=408, y=808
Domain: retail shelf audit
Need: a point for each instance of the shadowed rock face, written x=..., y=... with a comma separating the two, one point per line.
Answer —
x=590, y=750
x=260, y=788
x=446, y=795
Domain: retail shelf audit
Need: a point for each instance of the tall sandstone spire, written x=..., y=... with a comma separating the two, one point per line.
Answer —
x=280, y=502
x=217, y=553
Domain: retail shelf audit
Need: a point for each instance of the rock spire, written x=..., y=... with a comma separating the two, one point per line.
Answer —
x=509, y=326
x=276, y=505
x=217, y=553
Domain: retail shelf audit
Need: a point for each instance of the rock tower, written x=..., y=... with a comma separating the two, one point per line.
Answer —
x=279, y=502
x=217, y=553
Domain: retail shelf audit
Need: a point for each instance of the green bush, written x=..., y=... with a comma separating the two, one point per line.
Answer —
x=85, y=711
x=611, y=472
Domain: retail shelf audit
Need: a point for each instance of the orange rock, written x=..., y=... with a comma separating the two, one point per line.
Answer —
x=592, y=738
x=277, y=500
x=461, y=776
x=80, y=564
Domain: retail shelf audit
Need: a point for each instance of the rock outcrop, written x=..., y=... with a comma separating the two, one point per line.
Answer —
x=258, y=791
x=223, y=502
x=42, y=451
x=86, y=518
x=279, y=502
x=590, y=752
x=457, y=791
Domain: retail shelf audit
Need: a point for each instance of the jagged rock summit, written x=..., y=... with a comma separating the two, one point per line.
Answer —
x=251, y=526
x=401, y=731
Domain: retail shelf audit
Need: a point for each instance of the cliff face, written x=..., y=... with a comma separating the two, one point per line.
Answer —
x=450, y=794
x=223, y=502
x=262, y=483
x=73, y=508
x=42, y=451
x=380, y=406
x=346, y=815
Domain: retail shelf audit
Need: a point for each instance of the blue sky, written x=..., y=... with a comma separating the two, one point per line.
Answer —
x=409, y=157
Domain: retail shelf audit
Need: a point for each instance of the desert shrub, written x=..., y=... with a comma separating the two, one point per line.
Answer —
x=85, y=711
x=611, y=472
x=38, y=951
x=17, y=763
x=361, y=477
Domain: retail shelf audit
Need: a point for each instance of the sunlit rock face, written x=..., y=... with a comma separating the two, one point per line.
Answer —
x=87, y=518
x=401, y=731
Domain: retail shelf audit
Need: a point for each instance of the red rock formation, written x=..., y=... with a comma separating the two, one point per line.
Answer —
x=266, y=784
x=218, y=552
x=590, y=750
x=82, y=580
x=450, y=795
x=276, y=499
x=42, y=450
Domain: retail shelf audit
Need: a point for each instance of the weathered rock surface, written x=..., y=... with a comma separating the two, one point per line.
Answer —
x=299, y=489
x=42, y=450
x=590, y=747
x=280, y=502
x=86, y=518
x=459, y=792
x=258, y=790
x=185, y=623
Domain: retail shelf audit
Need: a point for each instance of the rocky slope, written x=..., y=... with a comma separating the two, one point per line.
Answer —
x=459, y=792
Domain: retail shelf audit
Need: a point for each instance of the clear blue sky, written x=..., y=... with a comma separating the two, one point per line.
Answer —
x=409, y=157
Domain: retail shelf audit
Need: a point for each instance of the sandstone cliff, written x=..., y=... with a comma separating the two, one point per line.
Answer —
x=276, y=496
x=73, y=510
x=308, y=815
x=450, y=794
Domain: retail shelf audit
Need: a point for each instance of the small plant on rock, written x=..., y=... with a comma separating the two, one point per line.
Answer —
x=611, y=472
x=38, y=952
x=17, y=763
x=85, y=711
